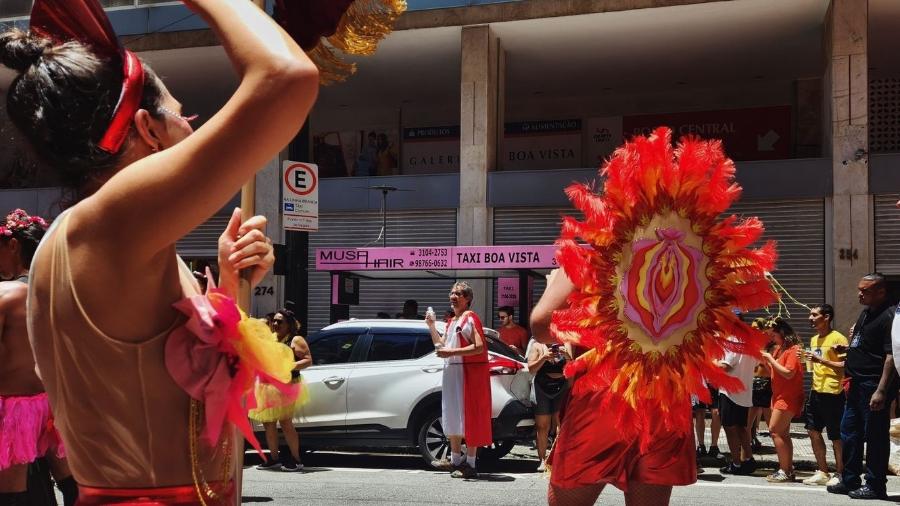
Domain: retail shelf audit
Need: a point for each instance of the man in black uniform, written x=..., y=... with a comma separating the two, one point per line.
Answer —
x=870, y=368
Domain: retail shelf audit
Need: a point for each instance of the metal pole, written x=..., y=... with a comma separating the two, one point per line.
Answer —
x=384, y=218
x=524, y=303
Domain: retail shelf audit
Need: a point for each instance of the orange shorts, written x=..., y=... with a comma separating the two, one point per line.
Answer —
x=794, y=406
x=590, y=450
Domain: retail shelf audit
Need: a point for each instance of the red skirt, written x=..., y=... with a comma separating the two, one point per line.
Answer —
x=590, y=450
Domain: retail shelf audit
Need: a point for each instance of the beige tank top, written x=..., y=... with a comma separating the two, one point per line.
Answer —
x=122, y=417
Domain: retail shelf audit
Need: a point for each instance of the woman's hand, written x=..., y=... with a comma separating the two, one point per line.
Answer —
x=444, y=353
x=429, y=320
x=766, y=355
x=244, y=246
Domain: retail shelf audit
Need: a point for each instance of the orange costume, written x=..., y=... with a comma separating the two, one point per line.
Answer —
x=787, y=394
x=653, y=300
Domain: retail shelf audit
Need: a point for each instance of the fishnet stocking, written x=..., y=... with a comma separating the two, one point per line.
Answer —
x=639, y=494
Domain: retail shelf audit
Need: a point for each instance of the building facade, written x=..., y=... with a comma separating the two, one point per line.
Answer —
x=480, y=113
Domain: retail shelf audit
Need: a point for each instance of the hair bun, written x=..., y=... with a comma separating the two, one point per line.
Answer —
x=20, y=50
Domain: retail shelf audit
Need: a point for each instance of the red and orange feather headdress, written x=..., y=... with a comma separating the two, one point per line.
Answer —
x=657, y=287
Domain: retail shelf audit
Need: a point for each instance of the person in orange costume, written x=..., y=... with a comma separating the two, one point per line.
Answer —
x=589, y=451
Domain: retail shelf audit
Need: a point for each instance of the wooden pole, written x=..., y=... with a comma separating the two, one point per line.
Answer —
x=248, y=209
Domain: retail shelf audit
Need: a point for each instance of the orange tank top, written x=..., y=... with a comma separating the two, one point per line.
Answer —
x=121, y=415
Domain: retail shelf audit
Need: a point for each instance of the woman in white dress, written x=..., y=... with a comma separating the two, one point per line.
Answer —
x=466, y=394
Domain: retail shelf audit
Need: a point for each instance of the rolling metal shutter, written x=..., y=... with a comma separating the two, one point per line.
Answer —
x=798, y=227
x=358, y=229
x=887, y=234
x=527, y=225
x=203, y=241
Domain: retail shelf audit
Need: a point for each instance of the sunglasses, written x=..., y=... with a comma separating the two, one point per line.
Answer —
x=276, y=322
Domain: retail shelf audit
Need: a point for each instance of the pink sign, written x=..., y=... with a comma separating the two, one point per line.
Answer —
x=508, y=292
x=436, y=258
x=504, y=257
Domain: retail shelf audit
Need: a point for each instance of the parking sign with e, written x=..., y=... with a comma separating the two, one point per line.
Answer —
x=300, y=196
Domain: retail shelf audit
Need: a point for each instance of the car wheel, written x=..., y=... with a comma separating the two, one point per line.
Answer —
x=496, y=451
x=433, y=444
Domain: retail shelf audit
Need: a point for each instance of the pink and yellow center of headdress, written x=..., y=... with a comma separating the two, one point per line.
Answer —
x=661, y=282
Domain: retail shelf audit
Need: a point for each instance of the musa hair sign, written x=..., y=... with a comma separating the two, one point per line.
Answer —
x=436, y=258
x=543, y=144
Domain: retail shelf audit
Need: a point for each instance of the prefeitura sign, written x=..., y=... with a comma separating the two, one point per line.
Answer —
x=300, y=196
x=437, y=258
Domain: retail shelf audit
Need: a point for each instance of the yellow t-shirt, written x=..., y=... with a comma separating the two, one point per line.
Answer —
x=825, y=379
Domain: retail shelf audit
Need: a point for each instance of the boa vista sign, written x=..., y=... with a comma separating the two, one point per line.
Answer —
x=436, y=258
x=549, y=144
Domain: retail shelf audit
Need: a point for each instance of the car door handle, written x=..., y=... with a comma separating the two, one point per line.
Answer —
x=432, y=369
x=334, y=381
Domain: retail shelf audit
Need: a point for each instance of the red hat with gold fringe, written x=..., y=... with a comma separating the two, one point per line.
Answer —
x=324, y=27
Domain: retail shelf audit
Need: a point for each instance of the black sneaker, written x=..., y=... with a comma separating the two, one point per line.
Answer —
x=747, y=467
x=714, y=451
x=864, y=492
x=840, y=488
x=465, y=471
x=701, y=451
x=294, y=467
x=731, y=468
x=756, y=445
x=271, y=465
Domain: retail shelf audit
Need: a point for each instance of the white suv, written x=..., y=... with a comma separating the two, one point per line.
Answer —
x=377, y=384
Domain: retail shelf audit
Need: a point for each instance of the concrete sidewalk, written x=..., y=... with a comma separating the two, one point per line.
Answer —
x=804, y=459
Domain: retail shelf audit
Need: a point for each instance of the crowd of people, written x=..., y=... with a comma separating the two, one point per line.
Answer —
x=852, y=386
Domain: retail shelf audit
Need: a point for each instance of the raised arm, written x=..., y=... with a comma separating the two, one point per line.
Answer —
x=158, y=199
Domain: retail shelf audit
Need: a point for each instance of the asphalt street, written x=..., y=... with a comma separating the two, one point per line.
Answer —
x=343, y=478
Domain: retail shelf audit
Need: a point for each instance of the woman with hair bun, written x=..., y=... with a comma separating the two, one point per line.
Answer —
x=143, y=372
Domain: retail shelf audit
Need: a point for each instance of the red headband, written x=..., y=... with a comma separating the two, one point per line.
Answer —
x=85, y=21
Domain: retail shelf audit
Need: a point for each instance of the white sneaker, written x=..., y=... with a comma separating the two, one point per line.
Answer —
x=819, y=478
x=835, y=479
x=780, y=476
x=543, y=467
